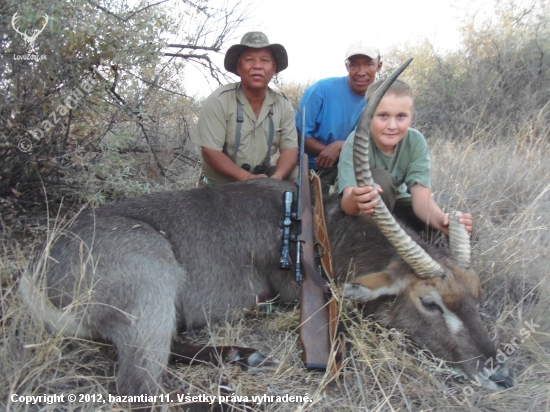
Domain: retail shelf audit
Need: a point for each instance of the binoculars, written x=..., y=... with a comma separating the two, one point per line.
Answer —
x=258, y=170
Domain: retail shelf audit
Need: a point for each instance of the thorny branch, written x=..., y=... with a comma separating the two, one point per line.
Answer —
x=139, y=120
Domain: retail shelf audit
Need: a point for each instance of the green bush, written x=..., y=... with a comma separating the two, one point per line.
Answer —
x=65, y=138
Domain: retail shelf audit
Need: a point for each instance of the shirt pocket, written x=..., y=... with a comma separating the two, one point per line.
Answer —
x=276, y=140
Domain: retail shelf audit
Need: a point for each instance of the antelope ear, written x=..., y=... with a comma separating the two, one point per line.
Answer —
x=375, y=285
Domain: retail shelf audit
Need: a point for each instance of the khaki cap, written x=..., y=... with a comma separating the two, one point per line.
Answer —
x=255, y=40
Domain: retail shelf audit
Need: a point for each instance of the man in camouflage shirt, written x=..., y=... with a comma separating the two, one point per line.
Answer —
x=241, y=125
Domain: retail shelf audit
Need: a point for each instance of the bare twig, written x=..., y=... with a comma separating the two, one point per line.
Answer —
x=145, y=8
x=188, y=56
x=194, y=47
x=124, y=19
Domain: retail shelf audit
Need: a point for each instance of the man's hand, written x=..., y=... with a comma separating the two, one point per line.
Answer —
x=329, y=155
x=285, y=163
x=255, y=176
x=222, y=164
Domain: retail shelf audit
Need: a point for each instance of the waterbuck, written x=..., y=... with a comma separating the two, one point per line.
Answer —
x=136, y=272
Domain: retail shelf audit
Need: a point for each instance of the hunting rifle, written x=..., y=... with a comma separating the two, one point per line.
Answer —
x=314, y=312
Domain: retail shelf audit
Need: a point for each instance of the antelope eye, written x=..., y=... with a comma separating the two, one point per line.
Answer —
x=429, y=304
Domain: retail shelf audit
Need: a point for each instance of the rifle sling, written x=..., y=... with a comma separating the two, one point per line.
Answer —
x=320, y=228
x=321, y=235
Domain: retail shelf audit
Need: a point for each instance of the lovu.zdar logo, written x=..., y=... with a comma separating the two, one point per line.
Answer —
x=28, y=38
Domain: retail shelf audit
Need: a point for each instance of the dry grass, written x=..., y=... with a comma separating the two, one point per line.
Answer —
x=506, y=190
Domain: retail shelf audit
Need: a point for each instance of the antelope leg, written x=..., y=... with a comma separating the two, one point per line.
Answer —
x=191, y=354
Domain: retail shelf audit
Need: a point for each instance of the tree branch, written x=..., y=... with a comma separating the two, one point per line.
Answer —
x=188, y=56
x=145, y=8
x=124, y=19
x=193, y=47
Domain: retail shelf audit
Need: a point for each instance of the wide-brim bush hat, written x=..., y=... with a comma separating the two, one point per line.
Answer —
x=255, y=40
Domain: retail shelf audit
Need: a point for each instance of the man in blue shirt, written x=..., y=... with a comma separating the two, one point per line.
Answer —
x=333, y=107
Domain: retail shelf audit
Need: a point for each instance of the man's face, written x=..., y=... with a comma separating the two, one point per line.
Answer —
x=391, y=121
x=256, y=67
x=361, y=72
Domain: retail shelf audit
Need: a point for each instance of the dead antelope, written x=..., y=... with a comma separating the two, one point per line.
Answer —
x=137, y=272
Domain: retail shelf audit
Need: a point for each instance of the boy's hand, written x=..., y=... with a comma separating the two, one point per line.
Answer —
x=364, y=198
x=465, y=219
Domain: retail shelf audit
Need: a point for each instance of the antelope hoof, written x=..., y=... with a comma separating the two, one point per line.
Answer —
x=250, y=359
x=256, y=359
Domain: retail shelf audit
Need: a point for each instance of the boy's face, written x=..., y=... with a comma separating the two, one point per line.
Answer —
x=391, y=121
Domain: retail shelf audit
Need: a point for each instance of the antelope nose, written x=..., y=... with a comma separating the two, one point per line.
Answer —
x=504, y=382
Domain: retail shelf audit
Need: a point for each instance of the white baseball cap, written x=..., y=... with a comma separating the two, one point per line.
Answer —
x=362, y=47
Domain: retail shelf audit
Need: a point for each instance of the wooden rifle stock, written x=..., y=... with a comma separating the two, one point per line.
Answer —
x=314, y=312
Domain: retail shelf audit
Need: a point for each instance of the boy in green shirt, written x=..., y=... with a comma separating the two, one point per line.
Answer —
x=400, y=165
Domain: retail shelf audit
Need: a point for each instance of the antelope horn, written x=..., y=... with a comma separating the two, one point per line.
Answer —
x=417, y=258
x=459, y=240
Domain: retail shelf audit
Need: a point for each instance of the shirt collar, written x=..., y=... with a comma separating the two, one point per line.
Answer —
x=267, y=104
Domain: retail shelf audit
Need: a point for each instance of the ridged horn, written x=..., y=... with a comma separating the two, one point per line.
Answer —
x=417, y=258
x=459, y=241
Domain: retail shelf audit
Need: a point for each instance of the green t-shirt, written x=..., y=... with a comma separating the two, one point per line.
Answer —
x=409, y=164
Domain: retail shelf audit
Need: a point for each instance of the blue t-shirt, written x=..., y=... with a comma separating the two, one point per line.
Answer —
x=332, y=111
